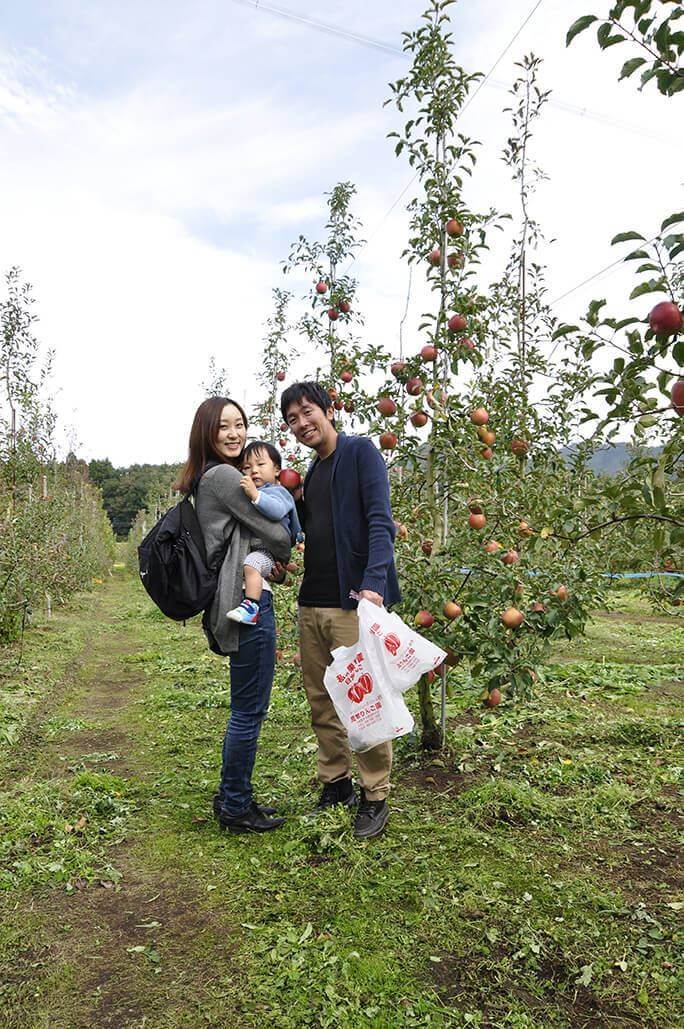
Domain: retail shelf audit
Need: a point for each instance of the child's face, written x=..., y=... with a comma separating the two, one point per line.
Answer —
x=260, y=468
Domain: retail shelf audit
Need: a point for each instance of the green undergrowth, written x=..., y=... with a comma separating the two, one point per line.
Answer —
x=529, y=875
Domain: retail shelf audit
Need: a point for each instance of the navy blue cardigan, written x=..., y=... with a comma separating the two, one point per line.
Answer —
x=362, y=520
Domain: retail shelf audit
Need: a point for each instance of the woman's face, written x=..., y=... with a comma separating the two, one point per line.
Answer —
x=232, y=433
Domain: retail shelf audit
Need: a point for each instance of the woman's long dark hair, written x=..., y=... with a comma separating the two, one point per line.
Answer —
x=203, y=436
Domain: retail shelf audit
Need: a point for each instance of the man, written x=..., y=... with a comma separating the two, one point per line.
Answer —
x=345, y=513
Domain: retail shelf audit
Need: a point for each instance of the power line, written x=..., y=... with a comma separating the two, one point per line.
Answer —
x=591, y=278
x=362, y=40
x=501, y=56
x=322, y=26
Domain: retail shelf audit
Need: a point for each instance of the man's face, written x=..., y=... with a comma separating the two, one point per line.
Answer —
x=309, y=424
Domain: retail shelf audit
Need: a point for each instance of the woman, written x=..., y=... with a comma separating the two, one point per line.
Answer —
x=228, y=518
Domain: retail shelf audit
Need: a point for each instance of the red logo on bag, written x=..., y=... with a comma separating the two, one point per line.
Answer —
x=392, y=643
x=360, y=689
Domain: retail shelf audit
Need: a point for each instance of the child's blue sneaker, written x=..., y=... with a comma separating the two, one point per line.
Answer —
x=247, y=612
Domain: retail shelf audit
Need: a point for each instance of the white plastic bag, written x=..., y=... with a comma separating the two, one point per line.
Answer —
x=369, y=711
x=401, y=652
x=365, y=681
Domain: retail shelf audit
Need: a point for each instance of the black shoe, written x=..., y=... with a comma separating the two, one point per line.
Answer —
x=263, y=808
x=250, y=820
x=371, y=818
x=339, y=792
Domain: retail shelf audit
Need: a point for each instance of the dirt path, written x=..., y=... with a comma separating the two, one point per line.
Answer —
x=89, y=954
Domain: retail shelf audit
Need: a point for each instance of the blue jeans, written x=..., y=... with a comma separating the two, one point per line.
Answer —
x=251, y=679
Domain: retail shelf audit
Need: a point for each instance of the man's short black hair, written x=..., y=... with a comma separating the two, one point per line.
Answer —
x=311, y=391
x=259, y=446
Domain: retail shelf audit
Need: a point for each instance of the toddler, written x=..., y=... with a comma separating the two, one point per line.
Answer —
x=261, y=467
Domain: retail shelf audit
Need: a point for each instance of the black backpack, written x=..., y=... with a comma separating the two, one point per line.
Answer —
x=173, y=564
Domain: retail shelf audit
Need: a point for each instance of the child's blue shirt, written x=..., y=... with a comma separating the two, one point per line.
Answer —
x=276, y=503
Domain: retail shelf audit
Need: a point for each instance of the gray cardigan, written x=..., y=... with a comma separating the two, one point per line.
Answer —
x=220, y=503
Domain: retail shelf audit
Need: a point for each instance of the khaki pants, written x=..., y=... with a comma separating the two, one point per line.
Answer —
x=321, y=630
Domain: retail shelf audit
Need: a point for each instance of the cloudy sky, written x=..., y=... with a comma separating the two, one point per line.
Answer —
x=158, y=159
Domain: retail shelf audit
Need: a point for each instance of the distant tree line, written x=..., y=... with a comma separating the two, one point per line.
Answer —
x=125, y=490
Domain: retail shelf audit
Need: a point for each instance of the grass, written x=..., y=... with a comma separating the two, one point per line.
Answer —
x=529, y=875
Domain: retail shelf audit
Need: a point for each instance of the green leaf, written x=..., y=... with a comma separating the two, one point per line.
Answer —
x=605, y=39
x=678, y=352
x=585, y=978
x=631, y=66
x=593, y=312
x=622, y=237
x=672, y=219
x=579, y=26
x=651, y=286
x=563, y=330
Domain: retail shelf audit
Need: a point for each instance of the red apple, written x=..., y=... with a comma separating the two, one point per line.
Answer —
x=346, y=376
x=678, y=396
x=388, y=441
x=538, y=607
x=435, y=257
x=282, y=442
x=349, y=406
x=665, y=318
x=339, y=405
x=477, y=521
x=397, y=367
x=467, y=343
x=511, y=557
x=486, y=435
x=386, y=406
x=424, y=619
x=332, y=393
x=289, y=478
x=452, y=610
x=414, y=386
x=480, y=416
x=344, y=306
x=487, y=453
x=428, y=352
x=426, y=546
x=512, y=618
x=492, y=547
x=283, y=426
x=562, y=593
x=333, y=314
x=494, y=698
x=419, y=419
x=519, y=447
x=524, y=529
x=454, y=227
x=280, y=376
x=321, y=287
x=455, y=260
x=456, y=323
x=402, y=531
